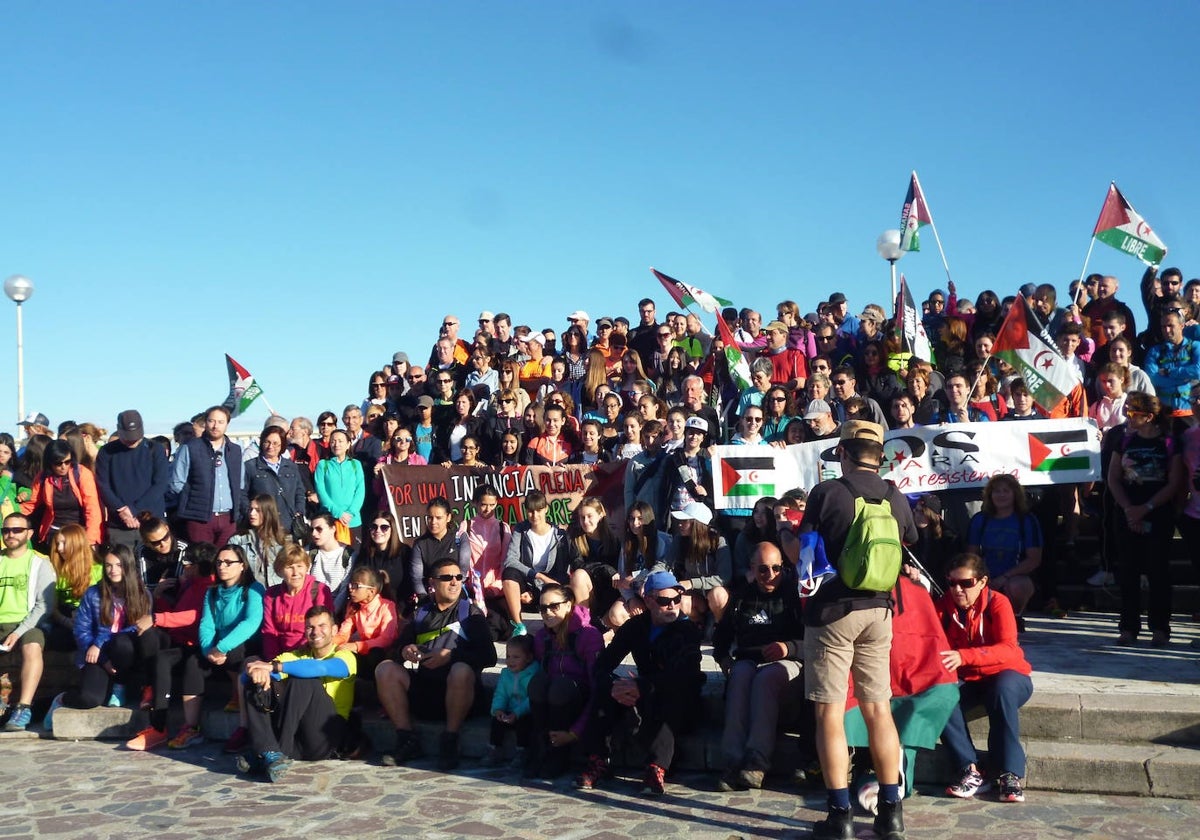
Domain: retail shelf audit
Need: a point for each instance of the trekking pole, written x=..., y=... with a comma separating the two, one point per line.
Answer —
x=914, y=562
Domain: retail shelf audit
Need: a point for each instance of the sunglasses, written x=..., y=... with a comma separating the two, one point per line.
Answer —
x=769, y=569
x=165, y=538
x=551, y=606
x=354, y=587
x=383, y=528
x=667, y=601
x=448, y=578
x=8, y=531
x=401, y=439
x=327, y=423
x=964, y=583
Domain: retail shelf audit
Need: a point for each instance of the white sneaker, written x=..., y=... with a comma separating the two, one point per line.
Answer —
x=1102, y=577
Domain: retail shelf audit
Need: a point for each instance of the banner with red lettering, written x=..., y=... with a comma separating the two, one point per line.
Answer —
x=411, y=488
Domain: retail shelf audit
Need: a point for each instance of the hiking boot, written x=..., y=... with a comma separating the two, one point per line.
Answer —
x=731, y=780
x=20, y=717
x=276, y=765
x=148, y=739
x=752, y=779
x=237, y=741
x=968, y=785
x=189, y=736
x=593, y=773
x=1009, y=788
x=447, y=751
x=889, y=824
x=653, y=783
x=837, y=825
x=408, y=747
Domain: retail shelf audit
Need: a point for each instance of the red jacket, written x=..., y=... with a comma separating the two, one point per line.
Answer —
x=83, y=485
x=986, y=637
x=283, y=615
x=183, y=623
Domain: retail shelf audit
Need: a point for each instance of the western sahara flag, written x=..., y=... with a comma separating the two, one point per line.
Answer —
x=738, y=369
x=1056, y=451
x=913, y=216
x=685, y=294
x=243, y=390
x=1121, y=227
x=1049, y=376
x=909, y=322
x=743, y=476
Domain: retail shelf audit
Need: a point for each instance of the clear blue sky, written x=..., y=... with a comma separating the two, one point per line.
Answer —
x=312, y=186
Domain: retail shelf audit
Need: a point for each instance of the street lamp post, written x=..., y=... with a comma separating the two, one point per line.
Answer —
x=19, y=289
x=888, y=246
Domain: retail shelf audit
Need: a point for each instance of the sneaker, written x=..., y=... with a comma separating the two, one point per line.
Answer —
x=730, y=780
x=1009, y=788
x=148, y=739
x=1159, y=639
x=593, y=773
x=447, y=752
x=232, y=706
x=968, y=785
x=752, y=779
x=237, y=741
x=147, y=701
x=518, y=628
x=189, y=736
x=19, y=718
x=1102, y=577
x=1126, y=638
x=889, y=823
x=408, y=747
x=248, y=763
x=652, y=781
x=837, y=825
x=276, y=765
x=55, y=705
x=117, y=698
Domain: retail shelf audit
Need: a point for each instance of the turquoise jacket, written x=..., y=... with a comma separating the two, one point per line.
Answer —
x=341, y=488
x=231, y=616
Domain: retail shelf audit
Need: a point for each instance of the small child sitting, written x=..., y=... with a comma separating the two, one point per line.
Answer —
x=371, y=626
x=510, y=703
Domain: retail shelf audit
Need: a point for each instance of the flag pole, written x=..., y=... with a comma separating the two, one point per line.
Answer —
x=1083, y=273
x=933, y=225
x=263, y=397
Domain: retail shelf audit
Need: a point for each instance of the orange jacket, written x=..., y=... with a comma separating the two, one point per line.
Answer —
x=83, y=485
x=372, y=625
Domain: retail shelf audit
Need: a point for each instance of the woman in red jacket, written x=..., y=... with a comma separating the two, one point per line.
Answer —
x=65, y=494
x=982, y=632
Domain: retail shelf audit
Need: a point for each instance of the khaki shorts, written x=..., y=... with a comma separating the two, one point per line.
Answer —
x=859, y=642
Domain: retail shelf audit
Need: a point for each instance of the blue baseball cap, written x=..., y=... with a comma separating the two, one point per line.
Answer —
x=658, y=581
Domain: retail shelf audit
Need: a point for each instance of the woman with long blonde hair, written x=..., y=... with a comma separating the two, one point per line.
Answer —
x=77, y=567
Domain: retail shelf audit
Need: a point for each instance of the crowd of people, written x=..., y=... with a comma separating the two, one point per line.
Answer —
x=164, y=561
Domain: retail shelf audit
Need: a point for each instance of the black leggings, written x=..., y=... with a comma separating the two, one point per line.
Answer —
x=554, y=702
x=95, y=682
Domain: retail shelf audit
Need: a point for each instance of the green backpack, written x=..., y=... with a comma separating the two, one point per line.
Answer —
x=871, y=557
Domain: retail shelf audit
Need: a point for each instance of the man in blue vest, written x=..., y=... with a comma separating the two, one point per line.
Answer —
x=208, y=478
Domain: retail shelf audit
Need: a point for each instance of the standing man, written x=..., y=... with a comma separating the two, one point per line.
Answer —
x=502, y=344
x=208, y=478
x=1105, y=302
x=26, y=596
x=298, y=704
x=459, y=349
x=133, y=476
x=645, y=330
x=789, y=368
x=449, y=642
x=849, y=630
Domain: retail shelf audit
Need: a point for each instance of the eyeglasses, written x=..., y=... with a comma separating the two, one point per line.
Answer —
x=382, y=527
x=8, y=531
x=964, y=583
x=224, y=563
x=774, y=570
x=324, y=423
x=470, y=448
x=448, y=578
x=354, y=587
x=378, y=384
x=667, y=601
x=551, y=606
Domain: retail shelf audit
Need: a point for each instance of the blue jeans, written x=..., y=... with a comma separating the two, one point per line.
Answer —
x=1002, y=695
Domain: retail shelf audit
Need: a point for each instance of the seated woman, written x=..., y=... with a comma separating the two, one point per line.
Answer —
x=534, y=558
x=592, y=550
x=509, y=377
x=286, y=602
x=471, y=449
x=169, y=637
x=482, y=547
x=559, y=694
x=504, y=416
x=759, y=644
x=384, y=551
x=77, y=567
x=992, y=670
x=330, y=559
x=400, y=451
x=591, y=450
x=644, y=550
x=512, y=450
x=701, y=562
x=1009, y=539
x=262, y=539
x=105, y=625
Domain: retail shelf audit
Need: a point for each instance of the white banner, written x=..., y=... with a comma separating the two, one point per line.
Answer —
x=924, y=459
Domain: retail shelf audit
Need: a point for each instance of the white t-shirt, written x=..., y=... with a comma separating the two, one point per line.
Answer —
x=541, y=554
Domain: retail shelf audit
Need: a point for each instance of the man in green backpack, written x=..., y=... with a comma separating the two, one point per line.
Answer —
x=850, y=629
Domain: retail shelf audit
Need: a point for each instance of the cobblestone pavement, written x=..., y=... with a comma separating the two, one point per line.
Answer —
x=96, y=790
